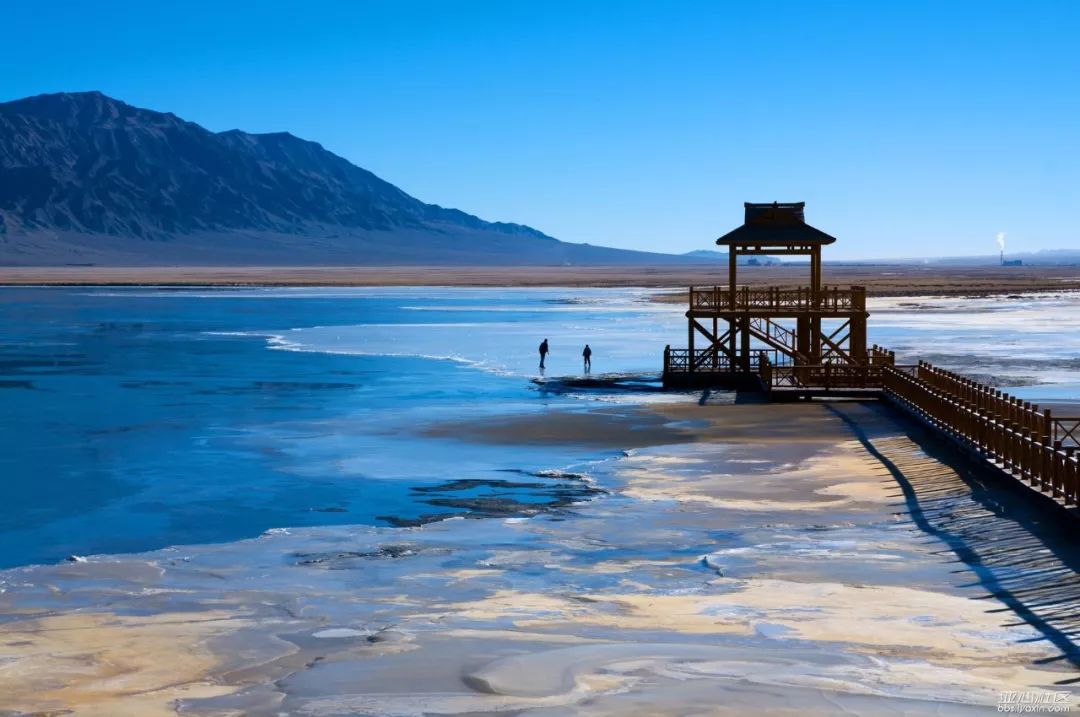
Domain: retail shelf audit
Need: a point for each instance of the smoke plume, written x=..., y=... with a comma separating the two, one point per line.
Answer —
x=1001, y=240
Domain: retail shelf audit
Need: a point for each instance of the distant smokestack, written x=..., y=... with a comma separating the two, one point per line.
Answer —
x=1001, y=246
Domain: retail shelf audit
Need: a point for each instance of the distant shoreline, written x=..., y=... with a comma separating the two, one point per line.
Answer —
x=880, y=280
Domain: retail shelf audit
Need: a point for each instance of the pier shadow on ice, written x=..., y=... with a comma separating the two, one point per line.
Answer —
x=1018, y=545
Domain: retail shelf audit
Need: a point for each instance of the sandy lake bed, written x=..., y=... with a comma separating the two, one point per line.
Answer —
x=743, y=558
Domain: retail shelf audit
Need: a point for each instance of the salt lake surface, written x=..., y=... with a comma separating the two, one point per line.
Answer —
x=136, y=419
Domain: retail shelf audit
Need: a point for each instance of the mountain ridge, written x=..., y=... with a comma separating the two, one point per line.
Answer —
x=85, y=178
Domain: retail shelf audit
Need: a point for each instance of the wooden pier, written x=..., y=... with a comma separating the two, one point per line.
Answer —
x=732, y=330
x=799, y=343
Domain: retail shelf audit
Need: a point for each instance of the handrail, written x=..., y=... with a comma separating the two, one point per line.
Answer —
x=1006, y=431
x=830, y=375
x=745, y=298
x=714, y=360
x=879, y=355
x=993, y=401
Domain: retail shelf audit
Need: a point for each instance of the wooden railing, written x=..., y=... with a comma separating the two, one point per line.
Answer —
x=715, y=361
x=778, y=370
x=880, y=356
x=771, y=299
x=827, y=376
x=774, y=333
x=1067, y=431
x=1024, y=414
x=686, y=361
x=1028, y=443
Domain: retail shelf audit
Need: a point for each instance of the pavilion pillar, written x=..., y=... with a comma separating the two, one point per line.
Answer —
x=857, y=335
x=733, y=332
x=732, y=264
x=857, y=339
x=690, y=345
x=734, y=325
x=815, y=304
x=715, y=343
x=745, y=347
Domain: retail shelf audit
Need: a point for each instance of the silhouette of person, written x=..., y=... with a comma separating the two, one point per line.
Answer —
x=543, y=352
x=587, y=355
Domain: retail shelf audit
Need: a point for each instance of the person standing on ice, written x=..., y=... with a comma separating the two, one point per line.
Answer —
x=543, y=352
x=587, y=355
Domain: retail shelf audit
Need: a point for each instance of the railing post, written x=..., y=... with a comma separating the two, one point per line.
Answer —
x=999, y=440
x=1070, y=478
x=1055, y=472
x=1031, y=461
x=981, y=435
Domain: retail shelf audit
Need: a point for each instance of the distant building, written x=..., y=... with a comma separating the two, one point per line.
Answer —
x=1012, y=262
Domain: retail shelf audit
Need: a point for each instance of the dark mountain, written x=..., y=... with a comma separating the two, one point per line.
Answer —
x=88, y=179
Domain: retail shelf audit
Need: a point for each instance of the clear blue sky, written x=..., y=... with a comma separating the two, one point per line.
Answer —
x=910, y=128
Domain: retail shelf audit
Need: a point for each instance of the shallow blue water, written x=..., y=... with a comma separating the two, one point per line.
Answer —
x=143, y=418
x=1028, y=345
x=136, y=419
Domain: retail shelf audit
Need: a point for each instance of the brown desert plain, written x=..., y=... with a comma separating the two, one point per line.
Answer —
x=880, y=280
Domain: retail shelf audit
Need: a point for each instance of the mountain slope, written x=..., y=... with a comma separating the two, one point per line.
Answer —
x=88, y=179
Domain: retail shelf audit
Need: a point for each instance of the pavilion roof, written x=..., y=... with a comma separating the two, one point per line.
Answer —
x=775, y=224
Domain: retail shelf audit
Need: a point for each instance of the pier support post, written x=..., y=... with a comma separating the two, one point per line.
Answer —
x=690, y=338
x=745, y=347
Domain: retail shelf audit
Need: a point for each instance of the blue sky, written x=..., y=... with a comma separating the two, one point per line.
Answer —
x=909, y=128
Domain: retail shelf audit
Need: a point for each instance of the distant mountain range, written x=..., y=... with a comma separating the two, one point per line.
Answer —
x=87, y=179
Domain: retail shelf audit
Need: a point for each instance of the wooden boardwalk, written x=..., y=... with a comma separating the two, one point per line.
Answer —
x=747, y=347
x=1035, y=447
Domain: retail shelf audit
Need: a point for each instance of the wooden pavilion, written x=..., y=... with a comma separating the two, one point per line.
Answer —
x=804, y=339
